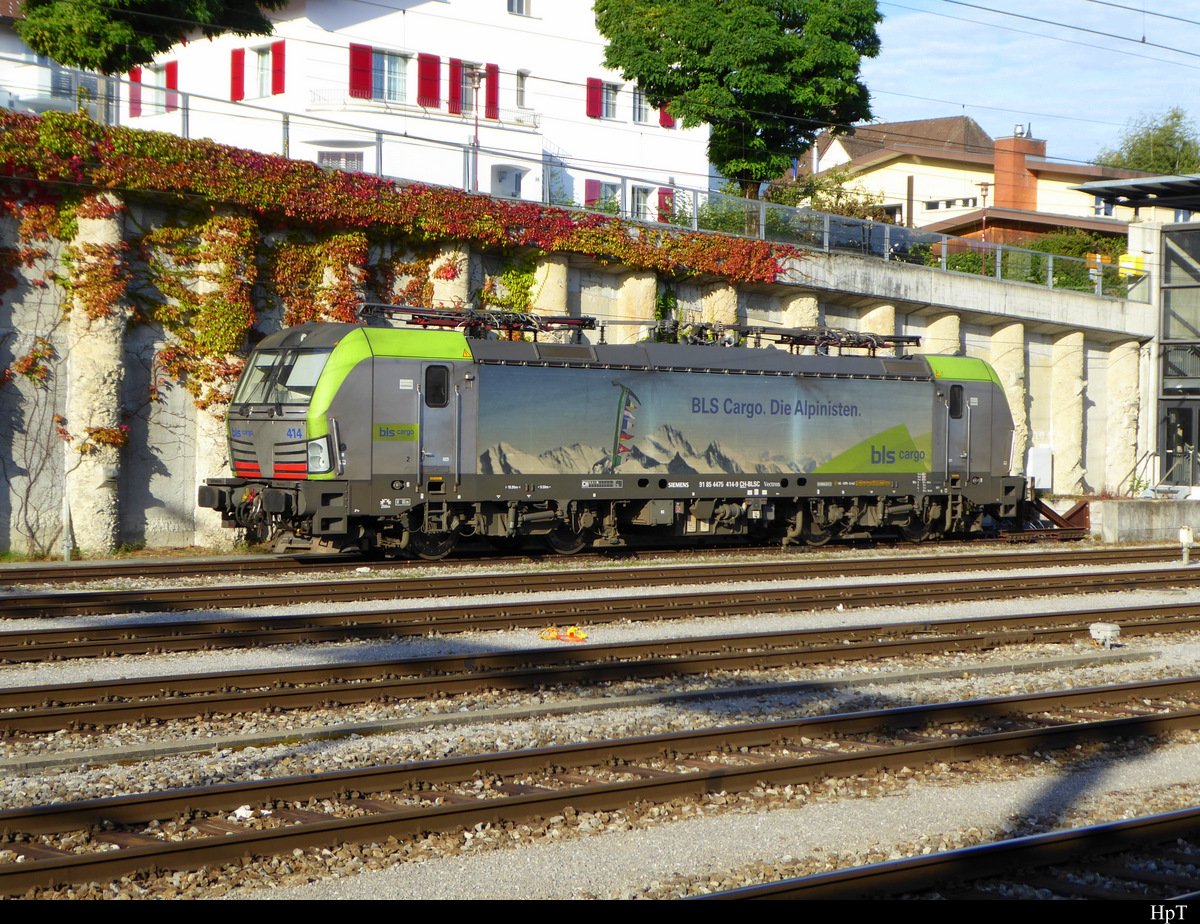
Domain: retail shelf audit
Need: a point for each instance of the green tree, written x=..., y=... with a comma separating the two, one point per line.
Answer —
x=113, y=37
x=1163, y=143
x=830, y=192
x=766, y=75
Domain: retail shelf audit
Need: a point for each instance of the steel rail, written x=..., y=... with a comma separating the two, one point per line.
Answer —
x=494, y=807
x=239, y=632
x=931, y=871
x=63, y=572
x=87, y=603
x=109, y=702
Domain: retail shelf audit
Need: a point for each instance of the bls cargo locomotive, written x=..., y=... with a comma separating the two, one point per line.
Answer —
x=362, y=436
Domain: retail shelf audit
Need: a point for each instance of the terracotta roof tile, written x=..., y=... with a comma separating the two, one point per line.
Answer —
x=961, y=134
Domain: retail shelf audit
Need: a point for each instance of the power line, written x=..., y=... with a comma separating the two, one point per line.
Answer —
x=1062, y=25
x=575, y=86
x=1144, y=12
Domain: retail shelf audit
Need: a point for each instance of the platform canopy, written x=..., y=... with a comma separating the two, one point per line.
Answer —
x=1169, y=192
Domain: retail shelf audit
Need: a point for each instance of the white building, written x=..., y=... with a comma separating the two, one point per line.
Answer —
x=404, y=88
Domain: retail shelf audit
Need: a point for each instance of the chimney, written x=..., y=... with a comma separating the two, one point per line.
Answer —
x=1016, y=184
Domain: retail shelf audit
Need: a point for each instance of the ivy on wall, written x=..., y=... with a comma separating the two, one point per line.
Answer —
x=316, y=242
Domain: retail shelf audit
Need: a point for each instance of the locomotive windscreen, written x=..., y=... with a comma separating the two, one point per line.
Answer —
x=280, y=376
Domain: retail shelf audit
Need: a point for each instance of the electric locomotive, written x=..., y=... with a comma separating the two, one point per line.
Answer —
x=354, y=436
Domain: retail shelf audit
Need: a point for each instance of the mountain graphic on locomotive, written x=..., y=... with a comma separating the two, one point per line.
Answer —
x=372, y=436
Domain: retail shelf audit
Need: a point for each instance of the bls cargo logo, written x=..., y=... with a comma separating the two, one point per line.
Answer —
x=395, y=432
x=884, y=456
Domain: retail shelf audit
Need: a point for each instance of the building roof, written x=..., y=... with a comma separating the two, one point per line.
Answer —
x=11, y=9
x=960, y=134
x=968, y=221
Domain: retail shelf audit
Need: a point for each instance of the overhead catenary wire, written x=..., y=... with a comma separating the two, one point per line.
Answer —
x=576, y=87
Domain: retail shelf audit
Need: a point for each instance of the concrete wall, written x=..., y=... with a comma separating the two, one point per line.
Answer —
x=1143, y=520
x=174, y=446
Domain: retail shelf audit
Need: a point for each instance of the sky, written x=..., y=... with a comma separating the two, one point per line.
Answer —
x=1078, y=89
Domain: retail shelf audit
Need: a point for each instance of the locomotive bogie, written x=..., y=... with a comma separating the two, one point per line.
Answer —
x=408, y=440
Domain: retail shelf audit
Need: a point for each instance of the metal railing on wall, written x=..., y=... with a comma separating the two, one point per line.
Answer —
x=634, y=198
x=821, y=231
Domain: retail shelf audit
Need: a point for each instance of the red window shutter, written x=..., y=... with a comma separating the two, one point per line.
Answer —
x=492, y=109
x=429, y=81
x=591, y=192
x=666, y=202
x=171, y=75
x=135, y=92
x=665, y=119
x=595, y=98
x=454, y=88
x=237, y=74
x=277, y=68
x=360, y=71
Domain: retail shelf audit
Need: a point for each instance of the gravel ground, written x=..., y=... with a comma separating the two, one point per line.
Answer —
x=799, y=836
x=729, y=840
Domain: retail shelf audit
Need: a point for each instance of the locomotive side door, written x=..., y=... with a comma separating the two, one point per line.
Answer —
x=439, y=416
x=958, y=436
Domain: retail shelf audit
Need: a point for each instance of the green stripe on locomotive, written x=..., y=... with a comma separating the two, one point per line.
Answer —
x=962, y=369
x=365, y=343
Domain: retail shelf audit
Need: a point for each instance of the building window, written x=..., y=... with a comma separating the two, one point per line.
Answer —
x=388, y=76
x=256, y=72
x=641, y=109
x=1102, y=208
x=932, y=205
x=609, y=199
x=970, y=203
x=154, y=80
x=350, y=161
x=609, y=100
x=519, y=7
x=262, y=71
x=468, y=90
x=522, y=82
x=1183, y=214
x=639, y=207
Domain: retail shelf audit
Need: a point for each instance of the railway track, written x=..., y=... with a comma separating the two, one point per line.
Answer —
x=91, y=705
x=1146, y=859
x=104, y=839
x=245, y=631
x=107, y=601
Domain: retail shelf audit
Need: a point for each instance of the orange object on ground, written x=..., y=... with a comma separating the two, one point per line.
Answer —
x=555, y=634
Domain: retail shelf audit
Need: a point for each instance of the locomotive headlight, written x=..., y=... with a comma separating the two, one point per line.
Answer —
x=319, y=459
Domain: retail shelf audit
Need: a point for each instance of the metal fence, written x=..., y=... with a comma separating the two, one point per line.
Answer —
x=635, y=198
x=820, y=231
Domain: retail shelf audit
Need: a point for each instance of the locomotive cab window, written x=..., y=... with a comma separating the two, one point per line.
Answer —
x=281, y=376
x=437, y=386
x=956, y=401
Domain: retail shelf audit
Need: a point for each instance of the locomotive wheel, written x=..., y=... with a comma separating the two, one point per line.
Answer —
x=433, y=548
x=915, y=530
x=813, y=535
x=565, y=542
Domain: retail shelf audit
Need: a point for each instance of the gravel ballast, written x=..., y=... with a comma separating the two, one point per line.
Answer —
x=654, y=852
